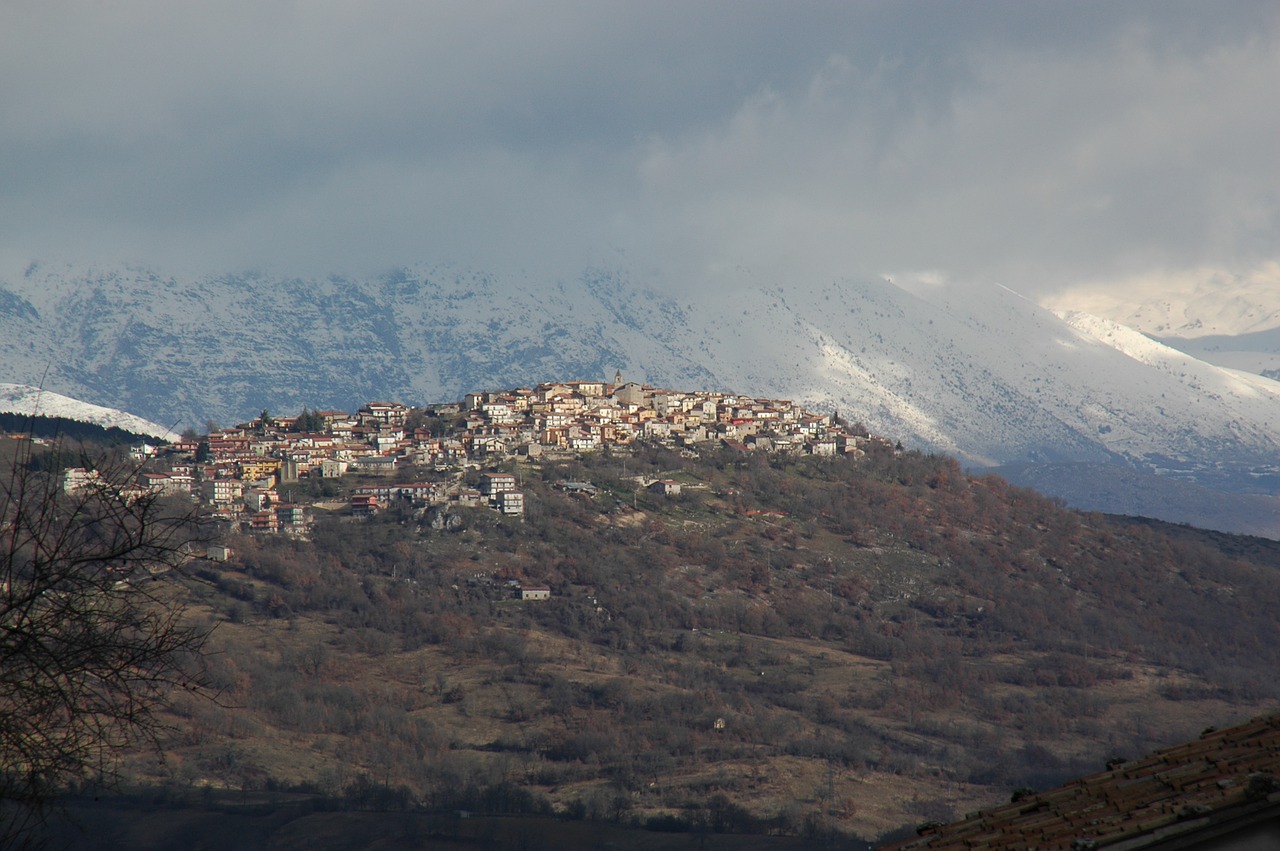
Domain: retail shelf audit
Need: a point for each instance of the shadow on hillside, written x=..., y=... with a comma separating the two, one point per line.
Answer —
x=124, y=823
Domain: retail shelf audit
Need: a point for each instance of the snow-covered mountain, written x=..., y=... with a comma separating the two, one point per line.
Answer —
x=987, y=375
x=32, y=401
x=995, y=379
x=225, y=347
x=1230, y=320
x=1195, y=303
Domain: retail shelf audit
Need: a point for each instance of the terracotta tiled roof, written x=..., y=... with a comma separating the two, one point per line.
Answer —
x=1223, y=779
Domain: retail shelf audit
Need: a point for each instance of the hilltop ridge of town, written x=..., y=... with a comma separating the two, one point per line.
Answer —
x=248, y=474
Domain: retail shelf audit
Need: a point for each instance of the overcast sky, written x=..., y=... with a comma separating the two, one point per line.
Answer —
x=1038, y=144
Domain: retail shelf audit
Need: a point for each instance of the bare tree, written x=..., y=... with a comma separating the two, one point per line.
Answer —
x=93, y=638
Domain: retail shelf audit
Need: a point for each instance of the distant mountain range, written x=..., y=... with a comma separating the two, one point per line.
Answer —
x=988, y=376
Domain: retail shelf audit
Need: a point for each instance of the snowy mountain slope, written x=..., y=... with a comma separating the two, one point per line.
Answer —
x=1257, y=352
x=1144, y=401
x=988, y=376
x=997, y=378
x=903, y=366
x=1230, y=320
x=1226, y=403
x=32, y=401
x=1198, y=303
x=226, y=347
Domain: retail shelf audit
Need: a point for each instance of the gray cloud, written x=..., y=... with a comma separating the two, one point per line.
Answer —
x=1038, y=144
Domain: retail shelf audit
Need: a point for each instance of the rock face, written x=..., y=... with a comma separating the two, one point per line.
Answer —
x=991, y=377
x=441, y=519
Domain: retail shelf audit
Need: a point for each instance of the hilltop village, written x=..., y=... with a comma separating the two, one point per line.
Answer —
x=248, y=474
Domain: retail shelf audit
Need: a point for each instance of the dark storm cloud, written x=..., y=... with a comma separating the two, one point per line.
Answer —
x=1043, y=141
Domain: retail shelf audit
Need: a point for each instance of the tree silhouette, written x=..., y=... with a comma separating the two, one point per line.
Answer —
x=92, y=639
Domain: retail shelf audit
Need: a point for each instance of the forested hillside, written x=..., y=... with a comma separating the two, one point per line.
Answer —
x=789, y=645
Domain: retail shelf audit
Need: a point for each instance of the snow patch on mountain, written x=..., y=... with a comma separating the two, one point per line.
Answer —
x=32, y=401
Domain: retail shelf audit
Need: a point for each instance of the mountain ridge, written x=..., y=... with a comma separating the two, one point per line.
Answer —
x=30, y=401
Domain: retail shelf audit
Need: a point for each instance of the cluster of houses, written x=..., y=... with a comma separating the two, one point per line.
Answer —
x=587, y=415
x=497, y=490
x=244, y=472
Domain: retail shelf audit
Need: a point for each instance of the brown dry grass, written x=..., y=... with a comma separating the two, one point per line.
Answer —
x=865, y=802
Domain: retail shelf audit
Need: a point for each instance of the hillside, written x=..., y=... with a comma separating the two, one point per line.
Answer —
x=790, y=644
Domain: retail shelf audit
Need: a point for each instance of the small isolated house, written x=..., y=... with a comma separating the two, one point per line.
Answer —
x=666, y=487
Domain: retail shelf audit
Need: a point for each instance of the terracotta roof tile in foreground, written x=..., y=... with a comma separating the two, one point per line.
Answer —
x=1193, y=795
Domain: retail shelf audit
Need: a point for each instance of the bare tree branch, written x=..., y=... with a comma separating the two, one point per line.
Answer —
x=93, y=638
